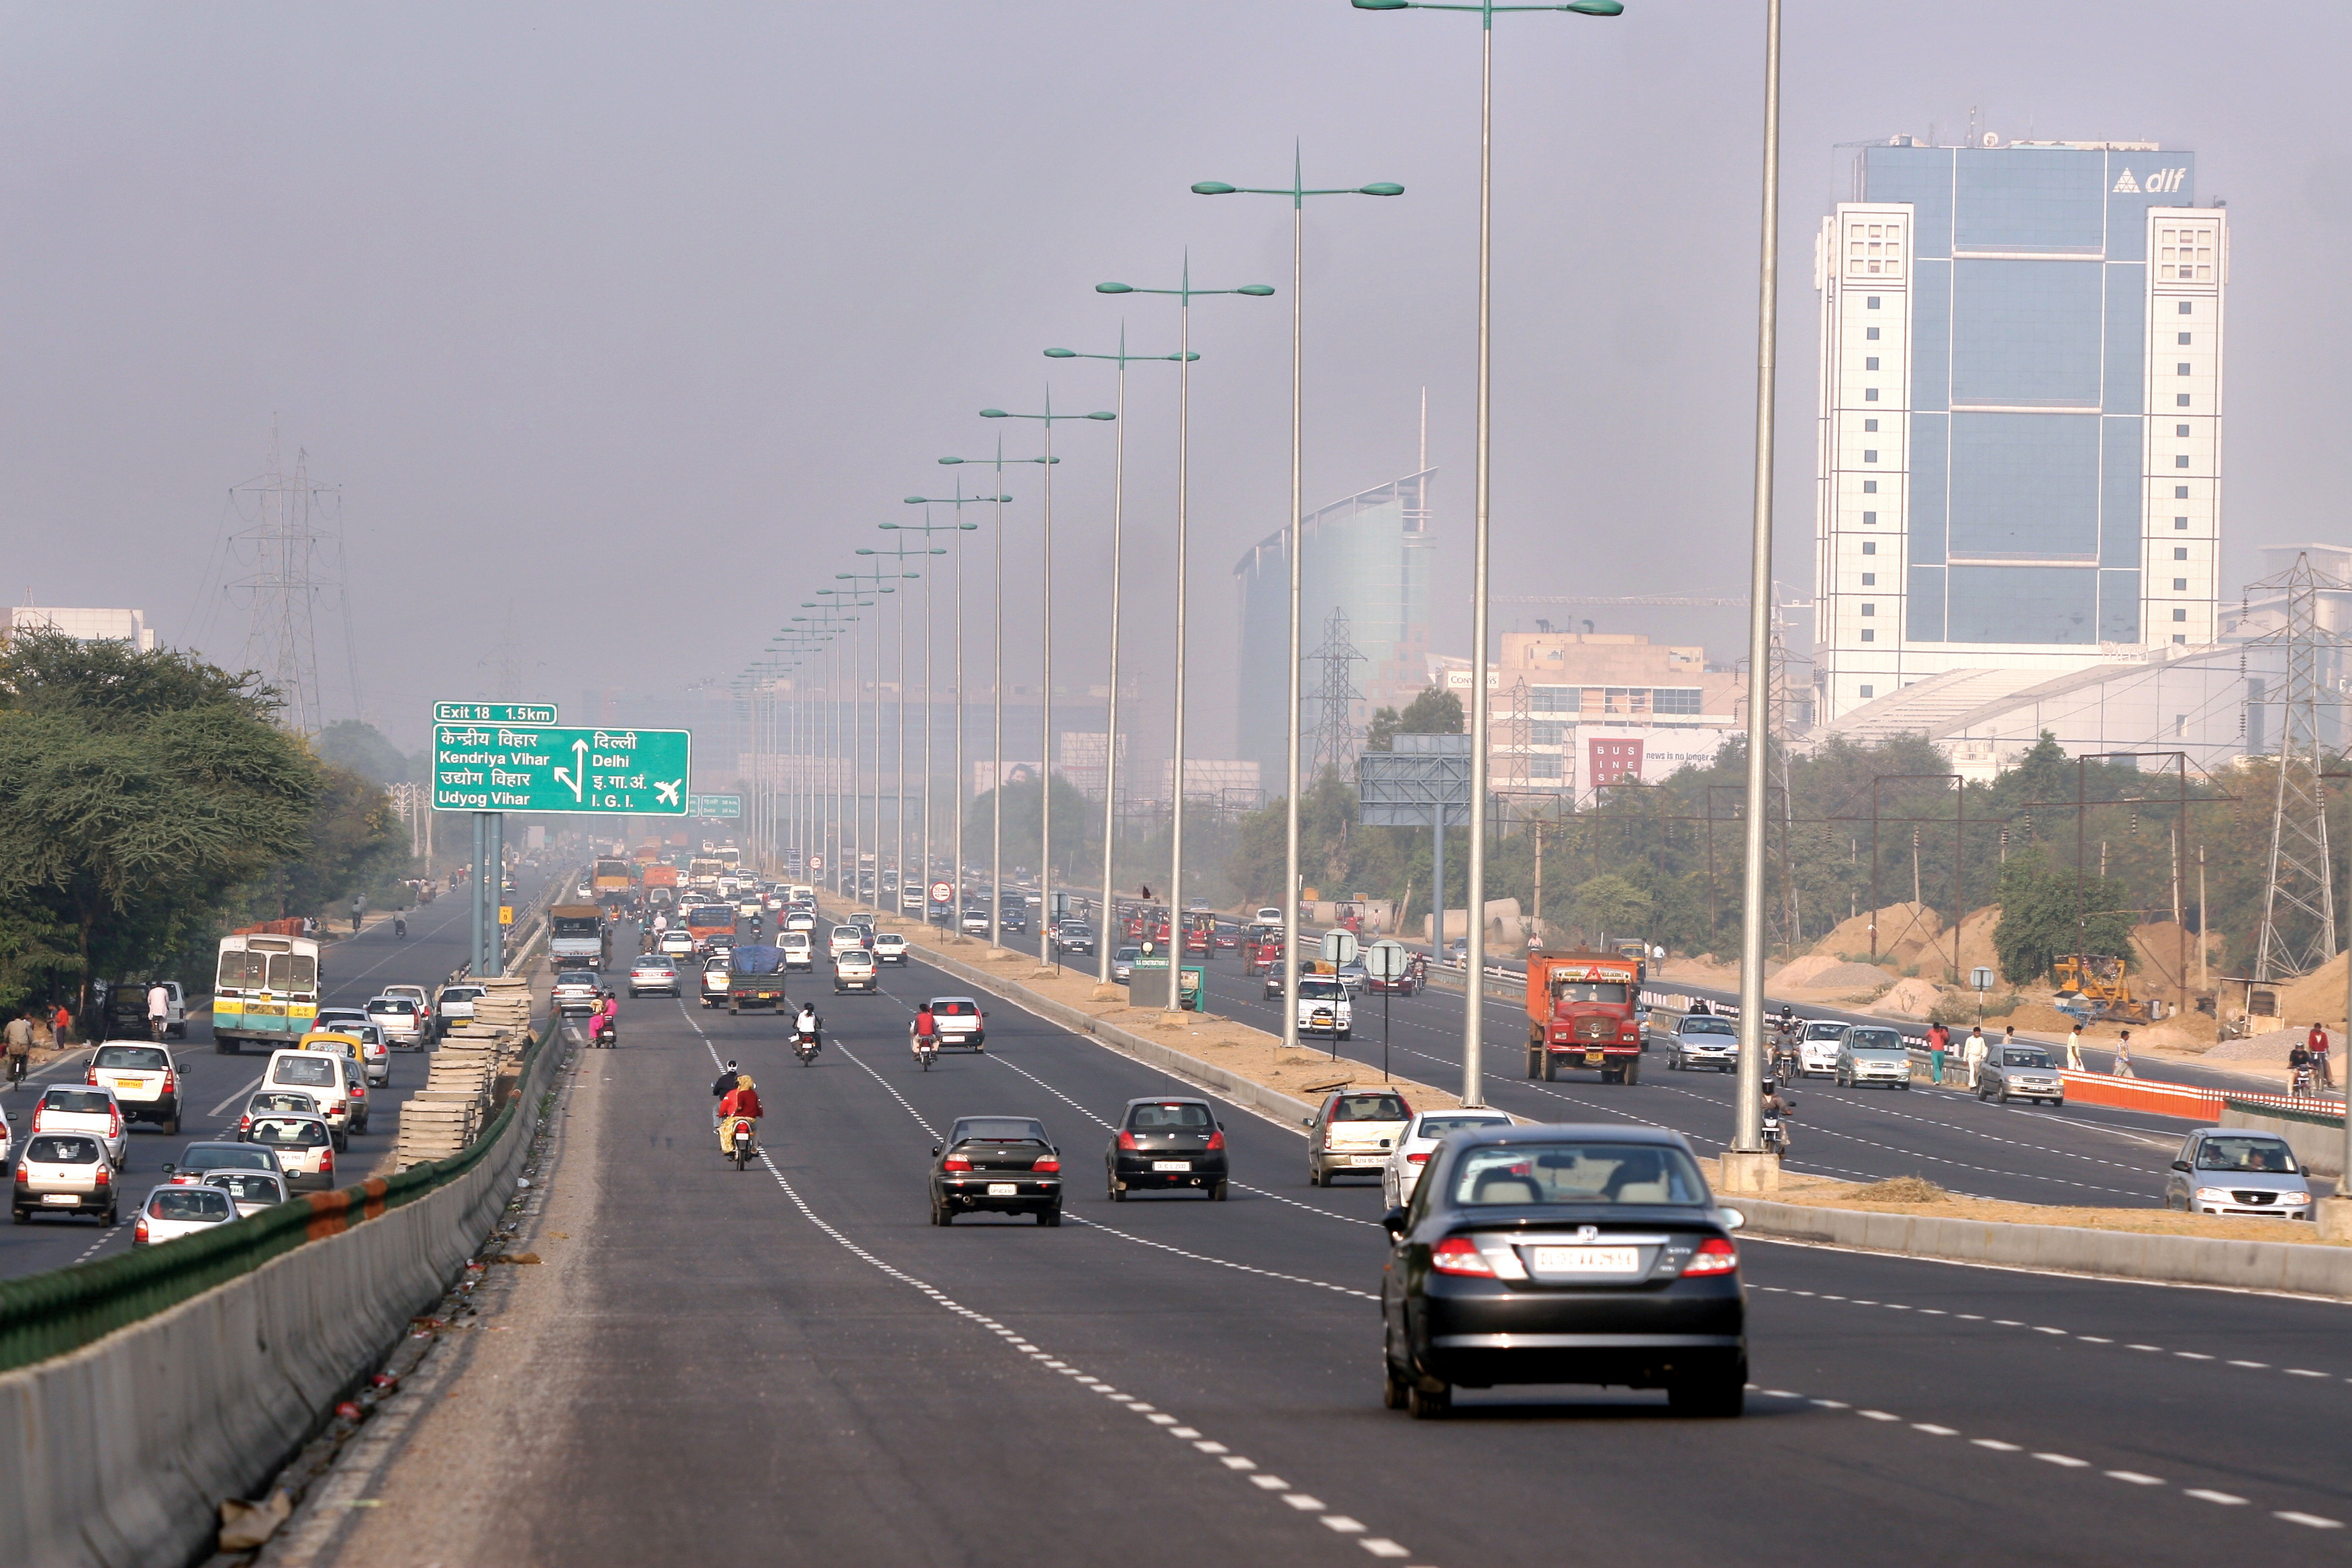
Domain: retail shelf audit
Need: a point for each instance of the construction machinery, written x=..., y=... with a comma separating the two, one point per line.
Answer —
x=2092, y=988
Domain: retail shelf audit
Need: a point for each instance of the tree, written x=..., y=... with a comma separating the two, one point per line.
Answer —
x=137, y=789
x=362, y=749
x=2039, y=921
x=1433, y=712
x=1610, y=903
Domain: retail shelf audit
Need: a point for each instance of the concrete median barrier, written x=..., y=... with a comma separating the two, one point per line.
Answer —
x=2300, y=1267
x=118, y=1450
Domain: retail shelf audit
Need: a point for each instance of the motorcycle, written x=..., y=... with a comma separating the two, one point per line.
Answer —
x=927, y=1051
x=604, y=1033
x=738, y=1140
x=1776, y=1137
x=806, y=1045
x=399, y=929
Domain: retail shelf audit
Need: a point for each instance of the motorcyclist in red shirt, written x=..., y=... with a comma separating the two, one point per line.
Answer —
x=741, y=1103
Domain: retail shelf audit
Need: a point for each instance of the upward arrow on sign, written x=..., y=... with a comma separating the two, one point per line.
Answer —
x=577, y=774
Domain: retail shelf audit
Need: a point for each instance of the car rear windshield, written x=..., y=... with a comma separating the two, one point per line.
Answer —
x=224, y=1157
x=252, y=1186
x=997, y=1129
x=576, y=977
x=1523, y=1174
x=190, y=1203
x=710, y=915
x=78, y=1101
x=1707, y=1024
x=308, y=1074
x=56, y=1150
x=2267, y=1155
x=857, y=958
x=1170, y=1118
x=1369, y=1108
x=1874, y=1040
x=400, y=1005
x=1439, y=1126
x=2026, y=1056
x=132, y=1058
x=299, y=1132
x=956, y=1009
x=282, y=1099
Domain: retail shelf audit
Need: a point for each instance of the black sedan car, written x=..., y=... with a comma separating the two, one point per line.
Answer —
x=1167, y=1143
x=1563, y=1254
x=996, y=1164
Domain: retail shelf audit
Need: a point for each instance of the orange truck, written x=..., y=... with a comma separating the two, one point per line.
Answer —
x=1581, y=1013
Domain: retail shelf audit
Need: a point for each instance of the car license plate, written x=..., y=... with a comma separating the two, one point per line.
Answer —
x=1004, y=1189
x=1371, y=1159
x=1172, y=1165
x=1586, y=1260
x=63, y=1200
x=1594, y=1058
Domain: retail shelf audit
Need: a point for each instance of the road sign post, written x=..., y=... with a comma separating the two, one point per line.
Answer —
x=1386, y=962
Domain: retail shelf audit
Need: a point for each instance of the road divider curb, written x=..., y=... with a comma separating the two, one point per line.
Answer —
x=123, y=1444
x=2301, y=1269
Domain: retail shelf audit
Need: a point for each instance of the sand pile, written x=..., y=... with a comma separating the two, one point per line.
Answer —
x=1810, y=969
x=2316, y=995
x=1912, y=998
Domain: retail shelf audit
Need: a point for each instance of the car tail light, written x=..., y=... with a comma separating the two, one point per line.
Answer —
x=327, y=1161
x=1126, y=1139
x=140, y=1234
x=1714, y=1256
x=91, y=1075
x=1050, y=1163
x=23, y=1176
x=114, y=1123
x=1217, y=1139
x=1460, y=1254
x=105, y=1173
x=1420, y=1159
x=956, y=1162
x=245, y=1124
x=170, y=1084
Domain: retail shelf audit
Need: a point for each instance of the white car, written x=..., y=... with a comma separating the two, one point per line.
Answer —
x=1817, y=1048
x=889, y=947
x=84, y=1108
x=1354, y=1130
x=856, y=971
x=65, y=1173
x=402, y=1019
x=1324, y=1007
x=315, y=1073
x=959, y=1022
x=715, y=977
x=305, y=1147
x=802, y=919
x=452, y=1006
x=250, y=1191
x=7, y=1139
x=1269, y=916
x=844, y=938
x=1421, y=1135
x=416, y=993
x=172, y=1212
x=800, y=953
x=677, y=944
x=145, y=1080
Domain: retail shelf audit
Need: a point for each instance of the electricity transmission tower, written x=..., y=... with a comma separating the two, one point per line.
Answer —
x=1335, y=729
x=295, y=562
x=2299, y=931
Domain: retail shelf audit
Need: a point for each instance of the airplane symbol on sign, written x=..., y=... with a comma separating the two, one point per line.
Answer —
x=667, y=793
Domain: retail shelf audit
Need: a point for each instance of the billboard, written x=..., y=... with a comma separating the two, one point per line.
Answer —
x=1626, y=754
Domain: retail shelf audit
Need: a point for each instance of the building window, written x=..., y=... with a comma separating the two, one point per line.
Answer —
x=1870, y=547
x=2181, y=461
x=1870, y=427
x=2180, y=493
x=2184, y=307
x=2179, y=615
x=1675, y=699
x=1546, y=732
x=1543, y=765
x=2180, y=584
x=1870, y=609
x=1870, y=394
x=2178, y=638
x=1871, y=302
x=1869, y=579
x=1555, y=699
x=2182, y=369
x=1870, y=488
x=2180, y=553
x=2180, y=429
x=2181, y=522
x=1869, y=692
x=1869, y=635
x=1870, y=455
x=1870, y=363
x=1870, y=519
x=2181, y=400
x=2184, y=340
x=1871, y=333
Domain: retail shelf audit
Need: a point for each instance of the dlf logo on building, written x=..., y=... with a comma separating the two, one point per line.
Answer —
x=2159, y=183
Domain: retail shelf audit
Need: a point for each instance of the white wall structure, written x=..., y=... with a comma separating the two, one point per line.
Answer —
x=85, y=624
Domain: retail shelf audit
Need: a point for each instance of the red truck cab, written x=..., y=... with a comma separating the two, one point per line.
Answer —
x=1581, y=1013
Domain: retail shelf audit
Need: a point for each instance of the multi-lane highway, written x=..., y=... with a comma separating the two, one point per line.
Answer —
x=214, y=1087
x=793, y=1362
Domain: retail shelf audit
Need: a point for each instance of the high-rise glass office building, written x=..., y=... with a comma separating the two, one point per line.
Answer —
x=1366, y=556
x=2020, y=415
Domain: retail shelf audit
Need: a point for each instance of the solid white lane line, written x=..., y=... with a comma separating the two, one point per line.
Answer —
x=232, y=1099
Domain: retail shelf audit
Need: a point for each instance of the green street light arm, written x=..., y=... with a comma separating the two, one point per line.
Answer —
x=1000, y=461
x=1298, y=192
x=1116, y=359
x=1582, y=7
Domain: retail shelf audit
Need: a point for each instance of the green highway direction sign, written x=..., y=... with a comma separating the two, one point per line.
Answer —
x=492, y=766
x=714, y=805
x=494, y=713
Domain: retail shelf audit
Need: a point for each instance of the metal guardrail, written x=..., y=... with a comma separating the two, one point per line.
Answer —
x=62, y=1310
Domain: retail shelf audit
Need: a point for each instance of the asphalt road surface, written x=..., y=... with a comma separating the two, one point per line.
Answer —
x=215, y=1086
x=792, y=1363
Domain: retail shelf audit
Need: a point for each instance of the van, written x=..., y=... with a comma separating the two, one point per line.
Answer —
x=315, y=1073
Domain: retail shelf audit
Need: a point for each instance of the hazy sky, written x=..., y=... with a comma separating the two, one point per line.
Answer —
x=639, y=318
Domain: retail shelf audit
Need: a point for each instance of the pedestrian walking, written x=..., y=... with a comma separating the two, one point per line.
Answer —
x=2123, y=1068
x=1939, y=1042
x=1974, y=1053
x=2075, y=1049
x=2316, y=1044
x=2009, y=1037
x=61, y=1026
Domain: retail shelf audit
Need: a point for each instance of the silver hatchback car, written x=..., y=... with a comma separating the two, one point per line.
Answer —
x=2233, y=1171
x=1704, y=1040
x=2021, y=1072
x=1872, y=1053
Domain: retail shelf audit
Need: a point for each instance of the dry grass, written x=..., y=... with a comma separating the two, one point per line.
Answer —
x=1904, y=1190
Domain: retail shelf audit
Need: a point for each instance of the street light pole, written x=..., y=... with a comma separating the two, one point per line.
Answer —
x=959, y=529
x=1475, y=955
x=1110, y=726
x=1045, y=718
x=873, y=583
x=996, y=696
x=900, y=554
x=1295, y=546
x=1183, y=294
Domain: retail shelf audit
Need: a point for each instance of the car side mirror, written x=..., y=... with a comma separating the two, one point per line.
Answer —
x=1307, y=1121
x=169, y=1169
x=1393, y=1222
x=1733, y=1219
x=2177, y=1164
x=935, y=1151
